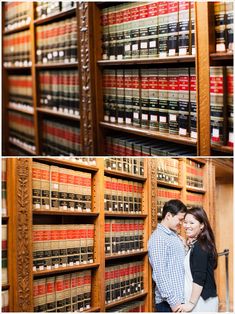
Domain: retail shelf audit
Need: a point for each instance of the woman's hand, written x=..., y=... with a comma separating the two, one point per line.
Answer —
x=185, y=307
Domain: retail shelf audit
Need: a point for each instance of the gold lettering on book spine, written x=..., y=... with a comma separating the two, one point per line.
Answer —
x=23, y=239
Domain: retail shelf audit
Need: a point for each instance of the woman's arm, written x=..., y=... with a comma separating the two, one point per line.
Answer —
x=195, y=295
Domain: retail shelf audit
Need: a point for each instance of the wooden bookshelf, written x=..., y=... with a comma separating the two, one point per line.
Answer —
x=127, y=299
x=58, y=114
x=124, y=215
x=16, y=30
x=196, y=190
x=124, y=175
x=169, y=185
x=26, y=149
x=124, y=255
x=55, y=17
x=21, y=110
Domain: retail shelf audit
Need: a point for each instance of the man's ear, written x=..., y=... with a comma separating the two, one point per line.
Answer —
x=168, y=215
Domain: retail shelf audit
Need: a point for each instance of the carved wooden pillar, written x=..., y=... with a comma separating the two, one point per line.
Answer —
x=21, y=230
x=85, y=52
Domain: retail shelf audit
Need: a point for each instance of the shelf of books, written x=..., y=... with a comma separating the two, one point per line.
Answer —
x=5, y=242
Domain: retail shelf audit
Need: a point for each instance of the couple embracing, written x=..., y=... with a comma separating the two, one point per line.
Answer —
x=183, y=270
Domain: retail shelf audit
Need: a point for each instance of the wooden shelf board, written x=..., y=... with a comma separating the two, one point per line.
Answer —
x=56, y=65
x=150, y=61
x=64, y=270
x=119, y=256
x=191, y=189
x=62, y=162
x=58, y=114
x=127, y=299
x=23, y=148
x=56, y=16
x=170, y=185
x=224, y=149
x=11, y=68
x=17, y=29
x=64, y=213
x=5, y=286
x=20, y=110
x=199, y=160
x=124, y=175
x=153, y=134
x=93, y=309
x=221, y=56
x=124, y=215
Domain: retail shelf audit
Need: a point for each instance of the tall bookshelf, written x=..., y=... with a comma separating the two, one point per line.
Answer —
x=90, y=66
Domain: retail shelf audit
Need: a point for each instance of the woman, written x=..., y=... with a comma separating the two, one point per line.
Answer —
x=200, y=262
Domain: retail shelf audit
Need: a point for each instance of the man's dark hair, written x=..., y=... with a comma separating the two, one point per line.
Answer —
x=174, y=207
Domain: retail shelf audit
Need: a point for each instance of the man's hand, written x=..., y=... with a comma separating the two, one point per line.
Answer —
x=185, y=307
x=175, y=308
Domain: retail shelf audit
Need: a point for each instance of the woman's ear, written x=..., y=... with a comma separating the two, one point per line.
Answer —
x=202, y=226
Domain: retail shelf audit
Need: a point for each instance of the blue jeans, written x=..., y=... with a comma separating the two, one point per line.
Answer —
x=163, y=307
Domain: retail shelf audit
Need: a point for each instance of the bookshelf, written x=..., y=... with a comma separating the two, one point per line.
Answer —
x=90, y=68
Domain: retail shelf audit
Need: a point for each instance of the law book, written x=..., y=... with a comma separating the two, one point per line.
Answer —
x=193, y=103
x=144, y=85
x=45, y=187
x=67, y=292
x=153, y=99
x=105, y=33
x=16, y=14
x=230, y=105
x=194, y=200
x=216, y=104
x=192, y=29
x=4, y=255
x=220, y=26
x=5, y=301
x=40, y=295
x=120, y=31
x=136, y=97
x=112, y=32
x=184, y=16
x=153, y=44
x=63, y=181
x=164, y=195
x=163, y=20
x=135, y=31
x=229, y=7
x=143, y=30
x=36, y=186
x=127, y=27
x=183, y=101
x=128, y=92
x=163, y=101
x=44, y=9
x=173, y=20
x=194, y=174
x=120, y=96
x=173, y=100
x=4, y=187
x=47, y=252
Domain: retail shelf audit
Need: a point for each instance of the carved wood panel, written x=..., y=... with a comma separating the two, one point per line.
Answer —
x=85, y=78
x=23, y=213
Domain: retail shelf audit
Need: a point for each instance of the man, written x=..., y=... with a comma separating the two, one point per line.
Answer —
x=166, y=256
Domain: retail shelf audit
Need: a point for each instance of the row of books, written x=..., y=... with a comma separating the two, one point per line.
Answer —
x=123, y=236
x=59, y=91
x=61, y=138
x=5, y=301
x=135, y=306
x=56, y=188
x=168, y=170
x=64, y=293
x=56, y=246
x=158, y=99
x=4, y=255
x=20, y=92
x=223, y=13
x=123, y=280
x=194, y=199
x=44, y=9
x=221, y=103
x=127, y=165
x=16, y=14
x=17, y=49
x=122, y=195
x=21, y=127
x=4, y=187
x=164, y=195
x=146, y=29
x=123, y=145
x=57, y=42
x=194, y=174
x=89, y=161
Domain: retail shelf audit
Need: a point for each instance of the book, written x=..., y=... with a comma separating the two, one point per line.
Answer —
x=4, y=187
x=164, y=195
x=16, y=14
x=163, y=20
x=194, y=200
x=193, y=103
x=5, y=301
x=184, y=20
x=183, y=101
x=144, y=85
x=220, y=26
x=173, y=28
x=168, y=170
x=230, y=85
x=229, y=7
x=173, y=100
x=194, y=174
x=163, y=101
x=4, y=255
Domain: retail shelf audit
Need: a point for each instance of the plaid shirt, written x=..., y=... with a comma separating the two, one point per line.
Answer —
x=166, y=256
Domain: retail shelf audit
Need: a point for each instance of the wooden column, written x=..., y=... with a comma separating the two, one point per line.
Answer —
x=203, y=78
x=20, y=211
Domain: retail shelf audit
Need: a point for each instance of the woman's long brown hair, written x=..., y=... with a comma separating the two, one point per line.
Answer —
x=206, y=238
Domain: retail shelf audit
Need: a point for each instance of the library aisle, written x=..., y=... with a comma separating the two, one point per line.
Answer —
x=117, y=79
x=75, y=229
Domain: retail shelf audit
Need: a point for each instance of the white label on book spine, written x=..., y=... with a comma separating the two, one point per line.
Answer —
x=55, y=53
x=163, y=55
x=144, y=45
x=153, y=118
x=128, y=121
x=215, y=132
x=145, y=117
x=49, y=56
x=194, y=134
x=61, y=53
x=112, y=119
x=193, y=51
x=182, y=131
x=120, y=120
x=136, y=115
x=220, y=48
x=230, y=137
x=182, y=51
x=36, y=206
x=172, y=52
x=119, y=57
x=163, y=119
x=127, y=47
x=152, y=44
x=173, y=117
x=134, y=47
